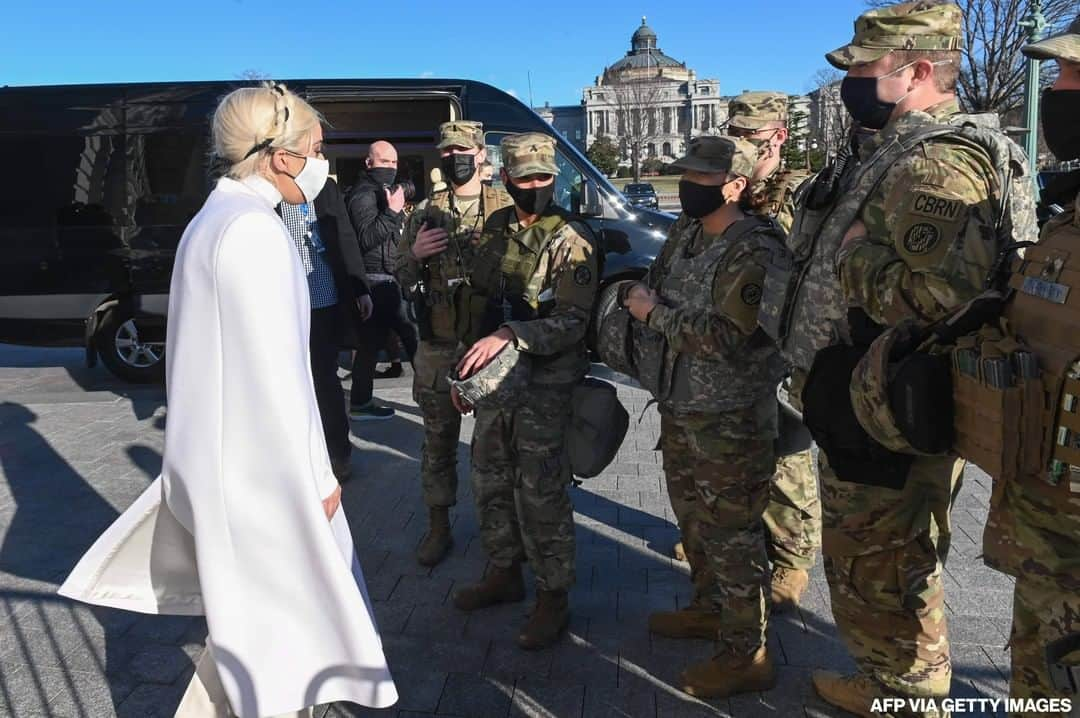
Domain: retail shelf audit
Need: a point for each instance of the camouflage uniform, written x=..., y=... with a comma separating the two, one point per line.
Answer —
x=717, y=438
x=520, y=469
x=793, y=514
x=439, y=349
x=1033, y=528
x=925, y=251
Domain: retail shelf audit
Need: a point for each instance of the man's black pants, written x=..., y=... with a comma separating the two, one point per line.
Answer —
x=388, y=315
x=324, y=344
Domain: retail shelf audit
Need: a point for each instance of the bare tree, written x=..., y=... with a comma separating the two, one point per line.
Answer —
x=637, y=105
x=829, y=119
x=993, y=69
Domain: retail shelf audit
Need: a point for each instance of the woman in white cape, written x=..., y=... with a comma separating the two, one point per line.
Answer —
x=236, y=527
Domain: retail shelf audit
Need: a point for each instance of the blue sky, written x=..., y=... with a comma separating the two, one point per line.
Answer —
x=562, y=44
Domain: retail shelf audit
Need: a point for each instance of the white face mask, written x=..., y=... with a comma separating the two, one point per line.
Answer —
x=312, y=178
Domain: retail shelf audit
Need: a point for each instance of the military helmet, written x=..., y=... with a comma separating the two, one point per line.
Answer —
x=613, y=332
x=501, y=383
x=901, y=392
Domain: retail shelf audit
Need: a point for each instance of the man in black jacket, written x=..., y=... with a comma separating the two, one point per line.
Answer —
x=375, y=209
x=341, y=305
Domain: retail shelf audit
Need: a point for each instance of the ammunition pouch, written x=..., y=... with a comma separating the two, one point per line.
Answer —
x=828, y=413
x=422, y=312
x=1064, y=677
x=781, y=275
x=476, y=313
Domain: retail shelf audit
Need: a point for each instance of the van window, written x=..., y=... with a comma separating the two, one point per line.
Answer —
x=72, y=180
x=567, y=183
x=167, y=176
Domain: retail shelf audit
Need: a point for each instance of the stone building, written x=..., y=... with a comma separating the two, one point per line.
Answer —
x=652, y=100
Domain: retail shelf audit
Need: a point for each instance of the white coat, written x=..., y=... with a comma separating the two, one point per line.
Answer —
x=234, y=527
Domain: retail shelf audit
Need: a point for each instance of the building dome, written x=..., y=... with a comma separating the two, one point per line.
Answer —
x=644, y=53
x=643, y=38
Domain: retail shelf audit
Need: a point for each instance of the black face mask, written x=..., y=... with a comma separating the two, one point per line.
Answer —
x=1060, y=108
x=382, y=175
x=459, y=169
x=531, y=201
x=860, y=97
x=700, y=200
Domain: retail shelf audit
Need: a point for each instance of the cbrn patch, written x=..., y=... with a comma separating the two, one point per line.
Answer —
x=943, y=208
x=921, y=238
x=582, y=275
x=751, y=294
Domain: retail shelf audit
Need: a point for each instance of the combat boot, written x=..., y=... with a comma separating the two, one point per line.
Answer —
x=728, y=674
x=679, y=552
x=548, y=620
x=787, y=587
x=689, y=622
x=501, y=585
x=438, y=540
x=854, y=693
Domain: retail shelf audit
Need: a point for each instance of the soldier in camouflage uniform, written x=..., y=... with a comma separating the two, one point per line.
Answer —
x=913, y=235
x=540, y=274
x=793, y=516
x=698, y=306
x=433, y=259
x=1033, y=530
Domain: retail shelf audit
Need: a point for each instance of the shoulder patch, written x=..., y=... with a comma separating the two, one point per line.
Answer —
x=750, y=294
x=582, y=275
x=925, y=204
x=921, y=238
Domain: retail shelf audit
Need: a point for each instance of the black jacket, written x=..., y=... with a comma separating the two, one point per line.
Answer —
x=377, y=226
x=343, y=256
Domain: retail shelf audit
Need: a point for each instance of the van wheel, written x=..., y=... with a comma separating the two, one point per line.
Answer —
x=609, y=296
x=127, y=353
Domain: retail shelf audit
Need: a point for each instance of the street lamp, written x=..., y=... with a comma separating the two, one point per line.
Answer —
x=1035, y=22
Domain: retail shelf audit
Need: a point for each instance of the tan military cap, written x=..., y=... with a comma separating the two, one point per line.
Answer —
x=754, y=110
x=920, y=25
x=529, y=154
x=461, y=133
x=1063, y=46
x=710, y=153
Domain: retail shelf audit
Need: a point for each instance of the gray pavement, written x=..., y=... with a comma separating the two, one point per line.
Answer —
x=77, y=446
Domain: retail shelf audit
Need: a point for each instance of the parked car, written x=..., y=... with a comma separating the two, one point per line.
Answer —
x=641, y=194
x=113, y=173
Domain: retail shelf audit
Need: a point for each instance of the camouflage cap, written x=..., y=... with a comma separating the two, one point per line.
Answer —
x=920, y=25
x=461, y=133
x=1063, y=46
x=528, y=154
x=754, y=110
x=710, y=153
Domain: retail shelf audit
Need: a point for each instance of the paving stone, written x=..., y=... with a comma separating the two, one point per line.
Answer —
x=469, y=695
x=539, y=698
x=100, y=442
x=159, y=664
x=89, y=695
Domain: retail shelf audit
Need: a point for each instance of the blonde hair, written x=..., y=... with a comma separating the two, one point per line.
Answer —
x=251, y=122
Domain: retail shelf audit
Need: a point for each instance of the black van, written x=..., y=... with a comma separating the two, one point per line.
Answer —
x=109, y=175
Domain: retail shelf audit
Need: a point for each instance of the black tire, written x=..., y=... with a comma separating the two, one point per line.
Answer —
x=608, y=298
x=126, y=354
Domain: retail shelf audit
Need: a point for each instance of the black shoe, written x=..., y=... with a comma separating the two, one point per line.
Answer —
x=370, y=412
x=393, y=372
